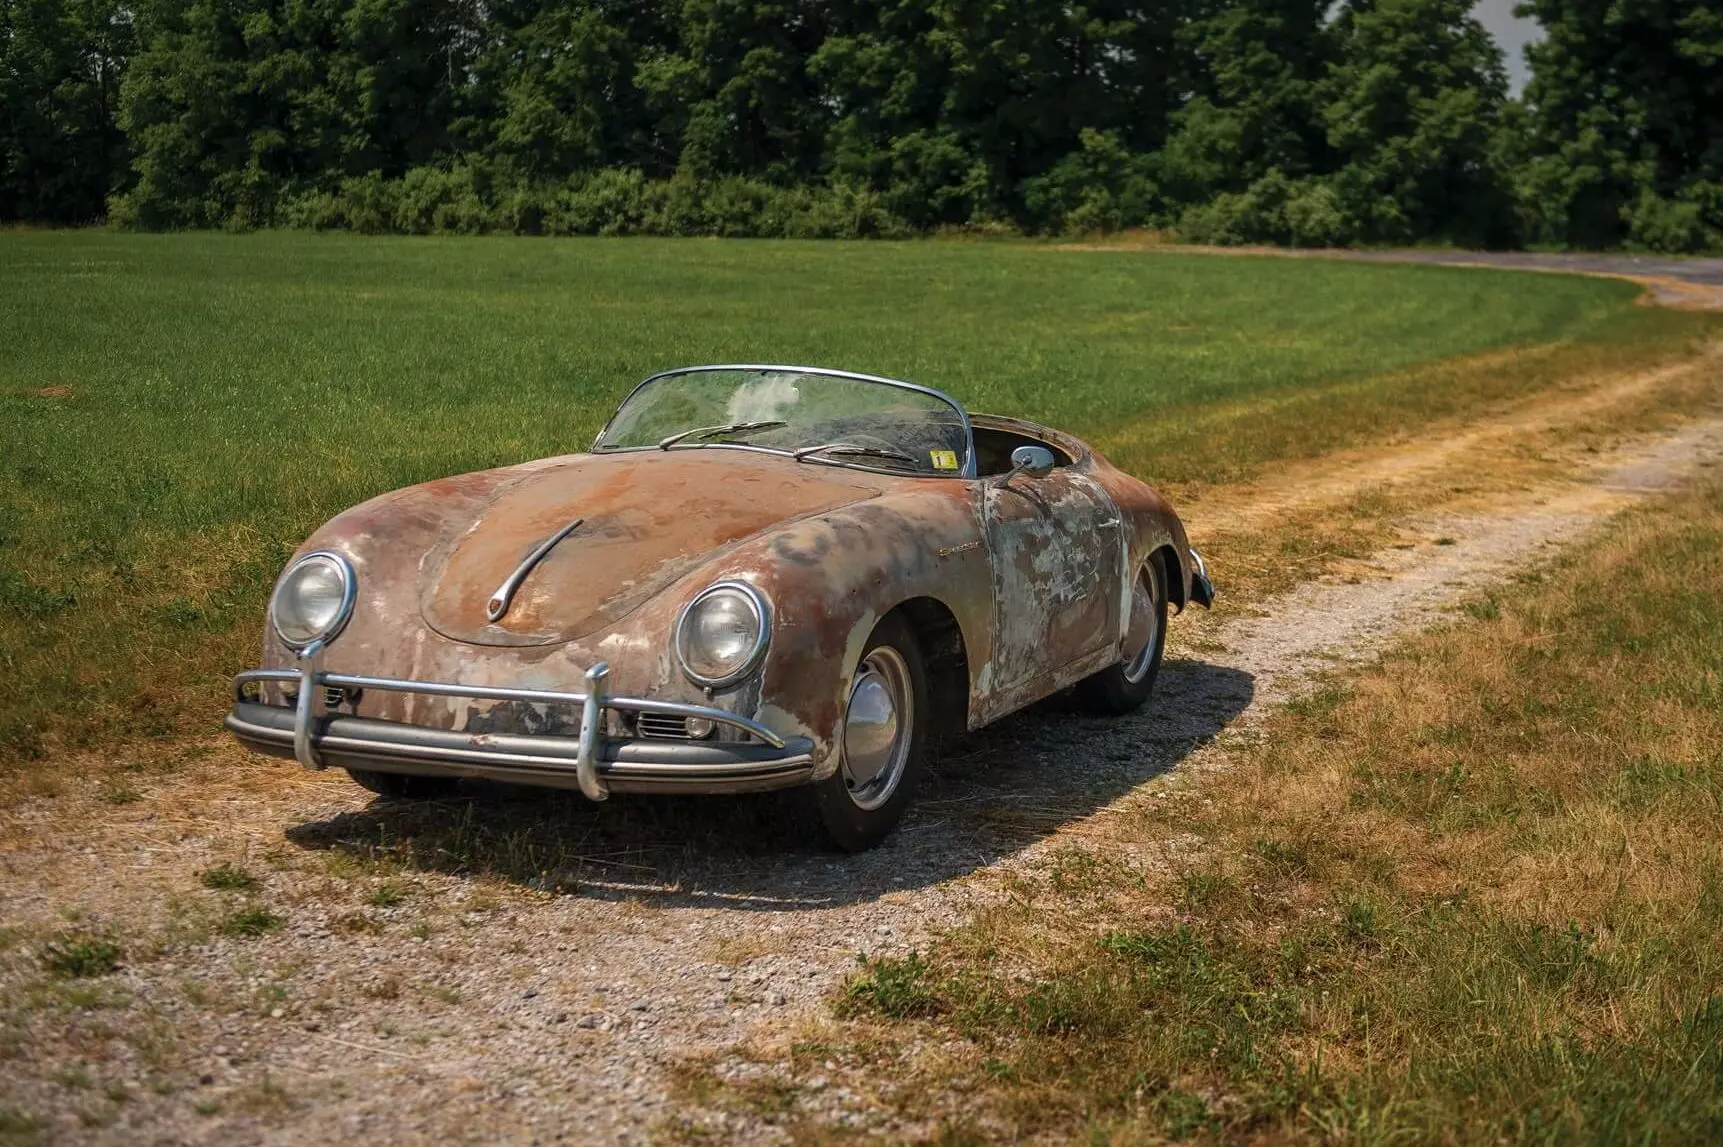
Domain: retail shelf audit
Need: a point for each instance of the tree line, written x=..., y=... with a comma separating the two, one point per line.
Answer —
x=1307, y=122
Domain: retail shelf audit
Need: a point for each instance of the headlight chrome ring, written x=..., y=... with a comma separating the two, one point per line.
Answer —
x=297, y=633
x=762, y=614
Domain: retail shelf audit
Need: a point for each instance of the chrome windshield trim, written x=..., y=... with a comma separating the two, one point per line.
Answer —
x=501, y=693
x=967, y=470
x=499, y=603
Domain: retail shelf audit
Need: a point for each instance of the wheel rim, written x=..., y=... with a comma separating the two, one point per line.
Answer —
x=879, y=720
x=1143, y=635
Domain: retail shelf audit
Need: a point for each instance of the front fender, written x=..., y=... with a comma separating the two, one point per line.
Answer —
x=831, y=578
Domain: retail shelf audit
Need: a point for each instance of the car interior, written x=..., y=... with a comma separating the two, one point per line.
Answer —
x=993, y=450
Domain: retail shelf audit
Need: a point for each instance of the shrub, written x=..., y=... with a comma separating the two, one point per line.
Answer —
x=1668, y=225
x=81, y=955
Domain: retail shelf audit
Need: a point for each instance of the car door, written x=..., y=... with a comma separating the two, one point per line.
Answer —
x=1055, y=544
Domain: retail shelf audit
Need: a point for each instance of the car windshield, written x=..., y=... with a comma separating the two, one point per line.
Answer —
x=814, y=416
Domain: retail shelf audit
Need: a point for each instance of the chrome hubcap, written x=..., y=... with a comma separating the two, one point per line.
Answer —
x=1144, y=631
x=877, y=725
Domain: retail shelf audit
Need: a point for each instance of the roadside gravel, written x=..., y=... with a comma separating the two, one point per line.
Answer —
x=516, y=968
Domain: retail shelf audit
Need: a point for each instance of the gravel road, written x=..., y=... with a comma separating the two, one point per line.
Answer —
x=531, y=969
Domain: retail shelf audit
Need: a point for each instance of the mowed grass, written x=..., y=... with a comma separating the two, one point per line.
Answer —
x=177, y=412
x=1473, y=896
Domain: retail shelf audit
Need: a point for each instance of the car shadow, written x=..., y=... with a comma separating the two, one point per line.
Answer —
x=989, y=794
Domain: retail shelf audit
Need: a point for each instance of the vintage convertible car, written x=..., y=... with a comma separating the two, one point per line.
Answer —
x=759, y=577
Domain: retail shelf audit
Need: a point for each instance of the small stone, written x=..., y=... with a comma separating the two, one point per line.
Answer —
x=726, y=975
x=276, y=1014
x=206, y=1079
x=561, y=1018
x=639, y=1007
x=529, y=993
x=779, y=999
x=586, y=1022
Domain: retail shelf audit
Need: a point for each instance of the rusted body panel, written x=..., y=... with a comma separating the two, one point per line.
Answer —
x=1034, y=576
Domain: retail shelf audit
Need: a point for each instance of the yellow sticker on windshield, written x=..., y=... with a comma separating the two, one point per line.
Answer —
x=943, y=459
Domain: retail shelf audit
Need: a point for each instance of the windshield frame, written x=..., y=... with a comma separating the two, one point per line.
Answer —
x=967, y=470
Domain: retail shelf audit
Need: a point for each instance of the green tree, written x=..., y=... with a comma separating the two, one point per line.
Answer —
x=61, y=148
x=1626, y=102
x=554, y=88
x=1253, y=68
x=1412, y=106
x=233, y=104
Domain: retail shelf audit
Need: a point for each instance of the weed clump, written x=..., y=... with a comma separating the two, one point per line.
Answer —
x=897, y=988
x=81, y=956
x=227, y=877
x=253, y=921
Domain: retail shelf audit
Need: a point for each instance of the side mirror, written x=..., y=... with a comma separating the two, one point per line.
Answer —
x=1035, y=461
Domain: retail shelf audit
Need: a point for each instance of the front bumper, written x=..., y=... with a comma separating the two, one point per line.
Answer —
x=593, y=762
x=1202, y=589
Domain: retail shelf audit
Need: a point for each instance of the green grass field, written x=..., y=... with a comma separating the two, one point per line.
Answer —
x=176, y=412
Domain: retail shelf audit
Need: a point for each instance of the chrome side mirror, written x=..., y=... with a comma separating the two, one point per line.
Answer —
x=1035, y=461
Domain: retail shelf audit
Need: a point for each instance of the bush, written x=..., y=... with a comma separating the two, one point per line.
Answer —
x=1668, y=225
x=1292, y=213
x=612, y=201
x=433, y=200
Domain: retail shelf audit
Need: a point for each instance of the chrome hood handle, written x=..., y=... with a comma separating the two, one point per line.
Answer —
x=499, y=603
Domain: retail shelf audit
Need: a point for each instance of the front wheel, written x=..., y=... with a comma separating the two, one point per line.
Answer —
x=882, y=742
x=1125, y=685
x=402, y=786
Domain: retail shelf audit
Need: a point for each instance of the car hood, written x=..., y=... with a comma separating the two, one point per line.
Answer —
x=647, y=518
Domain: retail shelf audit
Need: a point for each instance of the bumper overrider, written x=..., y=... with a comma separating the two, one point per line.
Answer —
x=594, y=762
x=1202, y=588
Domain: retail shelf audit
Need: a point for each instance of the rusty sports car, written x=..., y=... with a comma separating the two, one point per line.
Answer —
x=758, y=577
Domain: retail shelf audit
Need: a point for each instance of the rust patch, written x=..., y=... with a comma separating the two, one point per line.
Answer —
x=650, y=518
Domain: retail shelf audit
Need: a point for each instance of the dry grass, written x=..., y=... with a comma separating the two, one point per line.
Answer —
x=1299, y=520
x=1472, y=894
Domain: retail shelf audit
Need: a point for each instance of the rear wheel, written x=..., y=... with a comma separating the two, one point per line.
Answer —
x=882, y=743
x=1123, y=687
x=402, y=786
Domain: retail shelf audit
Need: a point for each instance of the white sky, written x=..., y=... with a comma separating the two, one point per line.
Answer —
x=1512, y=33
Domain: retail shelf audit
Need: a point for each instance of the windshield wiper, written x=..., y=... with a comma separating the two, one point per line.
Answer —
x=721, y=428
x=857, y=450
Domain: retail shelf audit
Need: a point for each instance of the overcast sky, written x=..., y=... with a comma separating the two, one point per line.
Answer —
x=1512, y=33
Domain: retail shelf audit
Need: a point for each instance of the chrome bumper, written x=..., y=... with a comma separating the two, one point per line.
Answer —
x=592, y=762
x=1202, y=589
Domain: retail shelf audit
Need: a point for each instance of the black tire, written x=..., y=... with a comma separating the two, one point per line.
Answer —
x=859, y=809
x=404, y=787
x=1126, y=685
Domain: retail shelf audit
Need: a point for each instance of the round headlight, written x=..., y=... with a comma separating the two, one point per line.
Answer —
x=722, y=633
x=313, y=599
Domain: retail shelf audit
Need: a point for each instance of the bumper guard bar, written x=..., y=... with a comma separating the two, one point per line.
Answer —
x=311, y=681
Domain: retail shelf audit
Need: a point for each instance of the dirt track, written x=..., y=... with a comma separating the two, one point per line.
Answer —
x=519, y=968
x=1673, y=282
